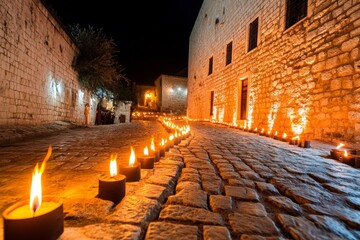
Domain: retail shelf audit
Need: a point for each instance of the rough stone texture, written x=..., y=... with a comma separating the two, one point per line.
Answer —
x=257, y=237
x=38, y=83
x=285, y=203
x=241, y=193
x=220, y=203
x=135, y=210
x=266, y=188
x=243, y=223
x=103, y=231
x=189, y=177
x=301, y=228
x=242, y=182
x=189, y=197
x=255, y=209
x=187, y=185
x=194, y=215
x=166, y=231
x=297, y=76
x=154, y=192
x=354, y=202
x=216, y=232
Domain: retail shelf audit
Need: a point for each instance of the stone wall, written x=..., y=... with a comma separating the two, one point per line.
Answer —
x=171, y=93
x=304, y=78
x=122, y=108
x=37, y=83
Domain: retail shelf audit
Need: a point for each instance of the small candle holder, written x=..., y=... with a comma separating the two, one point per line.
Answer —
x=146, y=162
x=132, y=172
x=349, y=159
x=305, y=144
x=336, y=153
x=112, y=188
x=46, y=223
x=162, y=151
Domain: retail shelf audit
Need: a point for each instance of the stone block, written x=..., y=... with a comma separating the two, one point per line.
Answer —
x=174, y=231
x=216, y=232
x=220, y=203
x=248, y=224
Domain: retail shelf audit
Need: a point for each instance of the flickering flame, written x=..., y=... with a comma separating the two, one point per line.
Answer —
x=276, y=133
x=255, y=129
x=285, y=135
x=171, y=137
x=113, y=166
x=132, y=157
x=269, y=132
x=36, y=189
x=345, y=153
x=340, y=146
x=176, y=134
x=262, y=130
x=146, y=151
x=162, y=142
x=152, y=146
x=296, y=138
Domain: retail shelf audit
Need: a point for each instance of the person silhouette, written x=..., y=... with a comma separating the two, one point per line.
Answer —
x=87, y=115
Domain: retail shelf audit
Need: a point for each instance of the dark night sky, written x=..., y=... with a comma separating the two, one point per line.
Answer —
x=152, y=37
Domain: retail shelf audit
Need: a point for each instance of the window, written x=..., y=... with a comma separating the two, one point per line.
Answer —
x=295, y=11
x=253, y=34
x=243, y=99
x=210, y=65
x=228, y=53
x=211, y=103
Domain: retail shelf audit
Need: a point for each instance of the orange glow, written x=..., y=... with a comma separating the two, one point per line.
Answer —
x=146, y=151
x=152, y=146
x=296, y=138
x=340, y=146
x=113, y=166
x=255, y=129
x=262, y=130
x=132, y=157
x=285, y=135
x=275, y=133
x=171, y=137
x=36, y=188
x=345, y=153
x=162, y=142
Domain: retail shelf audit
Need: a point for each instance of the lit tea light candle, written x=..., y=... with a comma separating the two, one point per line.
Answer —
x=275, y=136
x=162, y=148
x=336, y=153
x=176, y=138
x=131, y=171
x=284, y=137
x=146, y=161
x=40, y=218
x=112, y=187
x=171, y=141
x=154, y=151
x=262, y=133
x=295, y=140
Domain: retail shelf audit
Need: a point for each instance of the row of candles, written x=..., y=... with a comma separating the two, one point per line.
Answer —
x=347, y=156
x=43, y=218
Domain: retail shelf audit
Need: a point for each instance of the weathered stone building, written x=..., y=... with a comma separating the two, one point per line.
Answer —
x=171, y=94
x=37, y=83
x=285, y=65
x=146, y=96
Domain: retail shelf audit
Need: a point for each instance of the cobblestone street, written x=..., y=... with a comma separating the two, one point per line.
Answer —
x=220, y=183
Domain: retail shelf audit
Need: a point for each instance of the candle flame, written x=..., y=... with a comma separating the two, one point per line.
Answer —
x=36, y=188
x=345, y=153
x=276, y=133
x=146, y=151
x=113, y=166
x=132, y=157
x=296, y=138
x=152, y=146
x=162, y=142
x=340, y=146
x=171, y=137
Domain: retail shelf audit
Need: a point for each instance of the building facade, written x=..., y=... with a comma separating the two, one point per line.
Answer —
x=171, y=94
x=37, y=82
x=284, y=65
x=146, y=97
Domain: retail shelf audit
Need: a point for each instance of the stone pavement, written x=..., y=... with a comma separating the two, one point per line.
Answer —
x=220, y=183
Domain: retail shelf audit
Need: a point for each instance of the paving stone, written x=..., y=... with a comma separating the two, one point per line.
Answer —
x=240, y=166
x=285, y=203
x=301, y=228
x=294, y=170
x=189, y=197
x=319, y=177
x=165, y=181
x=266, y=188
x=135, y=210
x=102, y=231
x=152, y=191
x=242, y=183
x=248, y=224
x=229, y=175
x=241, y=193
x=216, y=233
x=189, y=170
x=189, y=177
x=249, y=208
x=190, y=214
x=345, y=214
x=220, y=203
x=226, y=167
x=250, y=175
x=258, y=237
x=187, y=185
x=172, y=171
x=200, y=165
x=337, y=188
x=354, y=202
x=332, y=225
x=86, y=210
x=166, y=231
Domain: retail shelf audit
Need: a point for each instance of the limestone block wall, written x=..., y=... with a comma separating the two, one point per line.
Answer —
x=171, y=93
x=37, y=82
x=122, y=108
x=301, y=79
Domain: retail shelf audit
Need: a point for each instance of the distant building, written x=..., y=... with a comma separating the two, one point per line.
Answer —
x=282, y=65
x=171, y=94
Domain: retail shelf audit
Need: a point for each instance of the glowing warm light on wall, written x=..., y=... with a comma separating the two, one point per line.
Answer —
x=81, y=95
x=272, y=115
x=298, y=121
x=251, y=108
